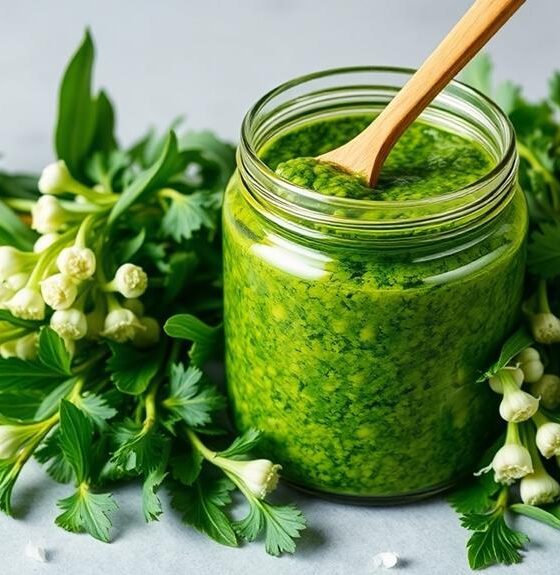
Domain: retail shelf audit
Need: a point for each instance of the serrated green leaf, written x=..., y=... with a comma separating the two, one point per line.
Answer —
x=186, y=467
x=75, y=439
x=75, y=125
x=201, y=507
x=50, y=402
x=544, y=251
x=50, y=454
x=550, y=517
x=53, y=352
x=89, y=512
x=191, y=399
x=96, y=408
x=151, y=504
x=185, y=215
x=243, y=444
x=206, y=339
x=133, y=369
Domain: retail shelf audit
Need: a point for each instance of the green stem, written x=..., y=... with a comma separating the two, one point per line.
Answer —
x=19, y=205
x=47, y=257
x=542, y=294
x=512, y=434
x=536, y=164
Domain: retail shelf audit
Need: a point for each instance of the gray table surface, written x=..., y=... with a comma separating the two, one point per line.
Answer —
x=210, y=60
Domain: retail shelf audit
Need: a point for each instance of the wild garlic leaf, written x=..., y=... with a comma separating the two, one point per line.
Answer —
x=281, y=525
x=493, y=541
x=75, y=439
x=75, y=124
x=14, y=231
x=514, y=345
x=243, y=444
x=17, y=374
x=186, y=467
x=141, y=449
x=96, y=408
x=89, y=512
x=133, y=369
x=201, y=507
x=50, y=454
x=544, y=251
x=53, y=352
x=549, y=516
x=151, y=504
x=9, y=473
x=190, y=398
x=20, y=403
x=206, y=339
x=185, y=215
x=103, y=135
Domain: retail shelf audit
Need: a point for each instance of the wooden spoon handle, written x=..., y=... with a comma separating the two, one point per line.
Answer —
x=476, y=27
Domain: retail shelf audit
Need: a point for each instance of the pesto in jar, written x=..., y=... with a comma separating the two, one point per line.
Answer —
x=359, y=366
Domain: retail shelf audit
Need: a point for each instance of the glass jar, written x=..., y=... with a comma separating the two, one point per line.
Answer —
x=356, y=329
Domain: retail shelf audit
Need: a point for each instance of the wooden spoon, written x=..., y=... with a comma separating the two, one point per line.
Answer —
x=366, y=153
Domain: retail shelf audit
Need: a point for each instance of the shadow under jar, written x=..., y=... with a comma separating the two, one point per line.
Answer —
x=356, y=328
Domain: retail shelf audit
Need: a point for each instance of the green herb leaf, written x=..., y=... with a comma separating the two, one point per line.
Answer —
x=75, y=125
x=133, y=369
x=75, y=439
x=151, y=505
x=544, y=251
x=201, y=506
x=206, y=339
x=103, y=136
x=96, y=408
x=5, y=315
x=14, y=231
x=87, y=512
x=50, y=454
x=9, y=472
x=190, y=399
x=53, y=352
x=185, y=215
x=550, y=517
x=17, y=374
x=554, y=88
x=513, y=346
x=186, y=468
x=243, y=444
x=492, y=541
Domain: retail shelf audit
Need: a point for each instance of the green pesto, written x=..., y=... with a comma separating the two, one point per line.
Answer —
x=360, y=365
x=426, y=161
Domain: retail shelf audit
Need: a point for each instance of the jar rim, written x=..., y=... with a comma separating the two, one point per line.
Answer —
x=250, y=164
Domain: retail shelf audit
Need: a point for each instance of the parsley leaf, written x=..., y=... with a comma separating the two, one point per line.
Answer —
x=544, y=251
x=50, y=453
x=190, y=399
x=186, y=468
x=151, y=505
x=96, y=408
x=201, y=506
x=89, y=512
x=242, y=445
x=133, y=369
x=75, y=439
x=185, y=215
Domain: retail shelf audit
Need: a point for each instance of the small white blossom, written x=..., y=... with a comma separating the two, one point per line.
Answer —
x=27, y=346
x=539, y=488
x=259, y=475
x=148, y=336
x=13, y=284
x=59, y=291
x=130, y=281
x=48, y=215
x=547, y=388
x=77, y=263
x=69, y=324
x=510, y=463
x=496, y=381
x=548, y=439
x=13, y=261
x=545, y=328
x=121, y=325
x=518, y=405
x=45, y=241
x=27, y=303
x=55, y=179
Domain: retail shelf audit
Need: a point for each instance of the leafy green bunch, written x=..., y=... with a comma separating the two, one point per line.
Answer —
x=110, y=312
x=521, y=472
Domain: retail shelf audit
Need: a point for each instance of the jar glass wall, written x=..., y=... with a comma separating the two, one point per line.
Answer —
x=356, y=330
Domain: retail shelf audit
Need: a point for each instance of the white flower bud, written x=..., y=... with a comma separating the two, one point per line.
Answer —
x=121, y=325
x=548, y=439
x=148, y=336
x=135, y=306
x=69, y=324
x=528, y=354
x=131, y=281
x=14, y=261
x=539, y=488
x=545, y=328
x=27, y=347
x=548, y=390
x=532, y=370
x=510, y=463
x=48, y=215
x=13, y=284
x=518, y=405
x=59, y=291
x=259, y=475
x=27, y=303
x=77, y=263
x=13, y=438
x=495, y=381
x=55, y=178
x=44, y=242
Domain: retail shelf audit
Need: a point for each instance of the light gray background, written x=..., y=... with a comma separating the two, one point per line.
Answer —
x=210, y=60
